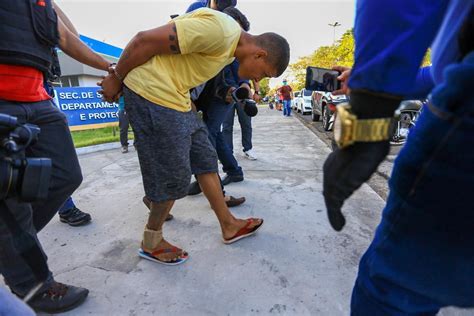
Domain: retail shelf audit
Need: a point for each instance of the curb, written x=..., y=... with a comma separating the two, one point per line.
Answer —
x=96, y=148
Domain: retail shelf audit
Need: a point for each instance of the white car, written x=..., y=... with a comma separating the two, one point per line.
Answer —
x=296, y=100
x=304, y=102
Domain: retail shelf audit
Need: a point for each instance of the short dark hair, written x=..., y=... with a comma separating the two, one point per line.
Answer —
x=277, y=48
x=239, y=17
x=222, y=4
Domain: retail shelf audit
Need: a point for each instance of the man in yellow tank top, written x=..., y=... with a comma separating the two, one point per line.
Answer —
x=155, y=73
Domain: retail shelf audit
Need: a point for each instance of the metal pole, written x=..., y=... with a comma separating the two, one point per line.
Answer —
x=334, y=25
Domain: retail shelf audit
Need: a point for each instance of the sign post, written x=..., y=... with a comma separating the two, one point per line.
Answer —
x=85, y=109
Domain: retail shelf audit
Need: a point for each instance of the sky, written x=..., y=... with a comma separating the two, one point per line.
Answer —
x=304, y=23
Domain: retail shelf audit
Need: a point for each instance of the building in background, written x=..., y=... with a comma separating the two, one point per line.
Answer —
x=77, y=94
x=75, y=74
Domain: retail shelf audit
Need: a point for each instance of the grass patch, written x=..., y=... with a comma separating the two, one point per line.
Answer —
x=97, y=136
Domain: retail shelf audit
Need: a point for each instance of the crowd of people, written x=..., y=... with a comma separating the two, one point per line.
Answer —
x=421, y=256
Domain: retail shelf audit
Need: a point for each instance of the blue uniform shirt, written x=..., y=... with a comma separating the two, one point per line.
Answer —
x=392, y=37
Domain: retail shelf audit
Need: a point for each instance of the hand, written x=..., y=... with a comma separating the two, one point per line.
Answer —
x=228, y=97
x=111, y=88
x=345, y=170
x=344, y=78
x=256, y=97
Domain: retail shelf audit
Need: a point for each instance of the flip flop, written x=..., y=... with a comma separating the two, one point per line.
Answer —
x=152, y=256
x=244, y=232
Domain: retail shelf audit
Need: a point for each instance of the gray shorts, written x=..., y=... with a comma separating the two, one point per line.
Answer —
x=171, y=146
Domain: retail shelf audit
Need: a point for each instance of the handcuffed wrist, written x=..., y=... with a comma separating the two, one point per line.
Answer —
x=117, y=75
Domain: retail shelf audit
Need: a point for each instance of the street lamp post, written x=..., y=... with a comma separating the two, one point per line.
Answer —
x=334, y=25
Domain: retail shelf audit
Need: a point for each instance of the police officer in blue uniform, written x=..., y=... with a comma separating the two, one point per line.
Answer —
x=422, y=256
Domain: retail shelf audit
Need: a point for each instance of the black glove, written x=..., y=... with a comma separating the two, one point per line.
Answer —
x=241, y=97
x=345, y=170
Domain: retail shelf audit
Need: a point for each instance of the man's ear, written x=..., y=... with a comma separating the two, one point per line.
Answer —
x=261, y=53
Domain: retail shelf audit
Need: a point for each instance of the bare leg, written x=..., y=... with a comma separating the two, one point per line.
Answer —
x=153, y=237
x=211, y=188
x=158, y=214
x=147, y=203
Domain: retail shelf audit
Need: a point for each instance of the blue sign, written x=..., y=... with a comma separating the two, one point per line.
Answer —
x=84, y=106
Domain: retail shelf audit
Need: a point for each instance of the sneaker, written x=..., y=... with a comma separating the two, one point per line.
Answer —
x=58, y=298
x=229, y=179
x=194, y=188
x=124, y=149
x=75, y=217
x=250, y=155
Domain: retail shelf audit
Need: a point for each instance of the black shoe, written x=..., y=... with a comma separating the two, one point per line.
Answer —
x=58, y=298
x=75, y=217
x=233, y=202
x=229, y=179
x=194, y=188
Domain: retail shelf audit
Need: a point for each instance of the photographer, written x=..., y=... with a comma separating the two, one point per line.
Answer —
x=30, y=32
x=215, y=101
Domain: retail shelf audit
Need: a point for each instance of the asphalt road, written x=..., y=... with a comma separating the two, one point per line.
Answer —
x=378, y=182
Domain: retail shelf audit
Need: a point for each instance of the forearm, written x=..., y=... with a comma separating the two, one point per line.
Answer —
x=65, y=19
x=256, y=85
x=423, y=85
x=160, y=41
x=79, y=51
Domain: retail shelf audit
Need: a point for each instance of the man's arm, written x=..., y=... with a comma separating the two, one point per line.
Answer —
x=75, y=48
x=65, y=19
x=162, y=40
x=256, y=95
x=423, y=85
x=146, y=44
x=383, y=72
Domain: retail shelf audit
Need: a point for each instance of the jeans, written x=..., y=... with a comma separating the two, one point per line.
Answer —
x=68, y=205
x=123, y=125
x=287, y=107
x=11, y=305
x=215, y=115
x=54, y=142
x=245, y=125
x=422, y=254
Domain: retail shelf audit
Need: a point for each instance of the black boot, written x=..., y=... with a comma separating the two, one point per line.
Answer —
x=58, y=298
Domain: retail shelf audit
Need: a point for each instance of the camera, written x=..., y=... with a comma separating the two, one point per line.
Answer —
x=24, y=178
x=241, y=97
x=321, y=79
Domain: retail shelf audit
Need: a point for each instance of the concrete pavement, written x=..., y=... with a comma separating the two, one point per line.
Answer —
x=296, y=265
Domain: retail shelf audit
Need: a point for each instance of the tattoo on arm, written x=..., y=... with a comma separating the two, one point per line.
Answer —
x=174, y=45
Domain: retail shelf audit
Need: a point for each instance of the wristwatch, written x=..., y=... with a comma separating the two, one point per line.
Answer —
x=348, y=129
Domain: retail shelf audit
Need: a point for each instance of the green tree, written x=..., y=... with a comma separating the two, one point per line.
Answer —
x=341, y=53
x=264, y=86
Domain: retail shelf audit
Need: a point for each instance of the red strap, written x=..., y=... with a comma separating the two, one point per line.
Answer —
x=166, y=250
x=244, y=229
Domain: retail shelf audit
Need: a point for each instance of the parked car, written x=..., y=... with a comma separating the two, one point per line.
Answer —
x=296, y=100
x=406, y=117
x=304, y=102
x=324, y=105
